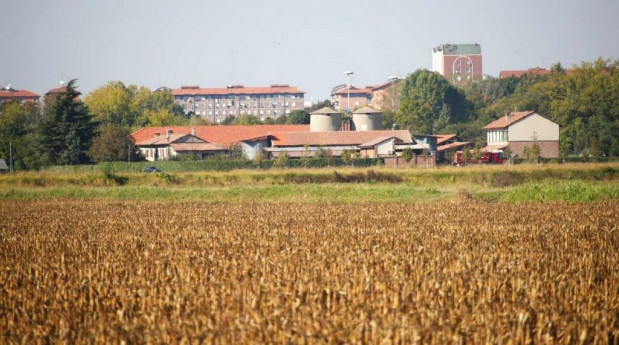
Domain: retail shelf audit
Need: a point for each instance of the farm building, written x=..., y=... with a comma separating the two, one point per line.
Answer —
x=521, y=129
x=162, y=147
x=221, y=138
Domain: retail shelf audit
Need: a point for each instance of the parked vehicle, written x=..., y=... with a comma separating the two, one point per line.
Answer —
x=487, y=157
x=151, y=168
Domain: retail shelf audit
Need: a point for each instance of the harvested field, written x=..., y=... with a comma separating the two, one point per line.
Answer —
x=462, y=271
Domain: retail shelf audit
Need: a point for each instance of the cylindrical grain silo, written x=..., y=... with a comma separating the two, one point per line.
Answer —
x=367, y=119
x=325, y=120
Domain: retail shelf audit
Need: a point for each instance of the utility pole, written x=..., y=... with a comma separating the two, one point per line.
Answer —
x=129, y=153
x=10, y=156
x=348, y=73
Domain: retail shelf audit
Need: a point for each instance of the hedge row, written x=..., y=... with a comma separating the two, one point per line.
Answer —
x=218, y=165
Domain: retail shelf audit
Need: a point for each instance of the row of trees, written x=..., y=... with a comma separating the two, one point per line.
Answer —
x=583, y=101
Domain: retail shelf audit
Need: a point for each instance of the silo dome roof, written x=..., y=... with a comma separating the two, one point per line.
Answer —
x=325, y=111
x=366, y=110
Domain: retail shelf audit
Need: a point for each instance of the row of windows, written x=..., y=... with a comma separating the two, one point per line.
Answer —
x=497, y=136
x=467, y=70
x=242, y=112
x=159, y=153
x=244, y=97
x=459, y=62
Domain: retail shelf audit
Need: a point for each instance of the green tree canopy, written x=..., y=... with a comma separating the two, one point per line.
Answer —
x=133, y=106
x=66, y=129
x=424, y=95
x=112, y=144
x=298, y=117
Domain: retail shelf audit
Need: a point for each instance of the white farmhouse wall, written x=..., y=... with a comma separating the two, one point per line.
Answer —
x=524, y=129
x=385, y=148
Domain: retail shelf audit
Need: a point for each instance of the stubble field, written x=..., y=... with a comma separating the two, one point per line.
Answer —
x=459, y=271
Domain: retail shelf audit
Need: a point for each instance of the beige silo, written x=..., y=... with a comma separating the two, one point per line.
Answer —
x=325, y=120
x=367, y=119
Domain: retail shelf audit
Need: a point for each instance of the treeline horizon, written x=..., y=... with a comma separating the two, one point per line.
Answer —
x=67, y=130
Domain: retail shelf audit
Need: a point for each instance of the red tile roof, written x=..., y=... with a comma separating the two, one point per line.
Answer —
x=503, y=122
x=161, y=139
x=379, y=140
x=344, y=91
x=194, y=90
x=519, y=73
x=225, y=135
x=441, y=138
x=17, y=94
x=457, y=144
x=335, y=137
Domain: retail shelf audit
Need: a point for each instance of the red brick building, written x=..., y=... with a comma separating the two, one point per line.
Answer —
x=458, y=63
x=216, y=104
x=7, y=94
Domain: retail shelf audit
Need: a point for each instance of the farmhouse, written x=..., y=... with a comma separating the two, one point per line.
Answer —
x=521, y=129
x=158, y=143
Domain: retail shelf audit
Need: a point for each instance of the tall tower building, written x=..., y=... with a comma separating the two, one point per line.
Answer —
x=458, y=63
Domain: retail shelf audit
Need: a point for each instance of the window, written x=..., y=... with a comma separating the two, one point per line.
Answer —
x=287, y=111
x=457, y=71
x=294, y=104
x=458, y=63
x=468, y=70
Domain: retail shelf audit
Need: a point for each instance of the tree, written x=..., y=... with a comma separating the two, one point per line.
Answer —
x=281, y=161
x=112, y=144
x=424, y=95
x=298, y=117
x=407, y=154
x=319, y=105
x=18, y=123
x=229, y=120
x=133, y=106
x=66, y=129
x=112, y=104
x=161, y=117
x=532, y=153
x=248, y=119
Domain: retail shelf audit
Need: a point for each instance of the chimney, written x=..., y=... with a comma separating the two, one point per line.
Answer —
x=506, y=117
x=193, y=131
x=168, y=133
x=157, y=134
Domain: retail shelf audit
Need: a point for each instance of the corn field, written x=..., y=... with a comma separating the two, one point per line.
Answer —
x=452, y=272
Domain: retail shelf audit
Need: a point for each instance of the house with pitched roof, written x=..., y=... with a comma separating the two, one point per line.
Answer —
x=7, y=93
x=163, y=142
x=521, y=129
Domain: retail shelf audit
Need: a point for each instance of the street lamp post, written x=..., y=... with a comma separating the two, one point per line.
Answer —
x=348, y=73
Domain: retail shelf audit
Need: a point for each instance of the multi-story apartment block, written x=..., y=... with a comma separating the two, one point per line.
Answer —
x=458, y=63
x=349, y=99
x=216, y=104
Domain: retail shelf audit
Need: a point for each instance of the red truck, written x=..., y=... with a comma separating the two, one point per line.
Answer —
x=487, y=157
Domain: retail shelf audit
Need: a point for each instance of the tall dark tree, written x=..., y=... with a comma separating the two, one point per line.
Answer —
x=298, y=117
x=66, y=129
x=424, y=96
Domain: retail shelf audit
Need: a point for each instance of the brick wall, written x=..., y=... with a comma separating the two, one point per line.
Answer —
x=415, y=161
x=549, y=149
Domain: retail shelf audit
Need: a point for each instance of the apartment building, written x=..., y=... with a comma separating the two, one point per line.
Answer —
x=216, y=104
x=458, y=63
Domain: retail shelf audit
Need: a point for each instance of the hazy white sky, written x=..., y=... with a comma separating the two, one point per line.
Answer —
x=308, y=44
